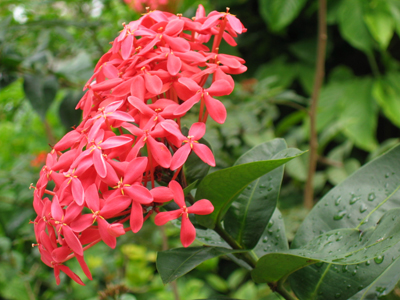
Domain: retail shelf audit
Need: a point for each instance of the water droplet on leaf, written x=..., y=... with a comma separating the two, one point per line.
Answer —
x=379, y=259
x=363, y=208
x=339, y=215
x=337, y=201
x=371, y=196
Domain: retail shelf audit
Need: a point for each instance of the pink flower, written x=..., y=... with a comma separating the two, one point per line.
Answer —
x=201, y=207
x=130, y=137
x=196, y=132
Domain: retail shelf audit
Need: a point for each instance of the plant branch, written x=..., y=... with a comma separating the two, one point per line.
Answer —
x=318, y=81
x=280, y=288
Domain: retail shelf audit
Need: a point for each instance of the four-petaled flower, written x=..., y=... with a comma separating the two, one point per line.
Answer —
x=201, y=207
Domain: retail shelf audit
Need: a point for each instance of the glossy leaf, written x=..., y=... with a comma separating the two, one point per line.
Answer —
x=273, y=238
x=222, y=187
x=280, y=13
x=340, y=246
x=172, y=264
x=250, y=212
x=40, y=92
x=359, y=201
x=383, y=284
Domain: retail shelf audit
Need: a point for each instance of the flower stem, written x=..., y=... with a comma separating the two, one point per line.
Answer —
x=318, y=81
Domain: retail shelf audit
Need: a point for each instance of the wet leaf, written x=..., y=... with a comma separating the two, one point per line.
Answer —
x=222, y=187
x=340, y=246
x=251, y=211
x=359, y=201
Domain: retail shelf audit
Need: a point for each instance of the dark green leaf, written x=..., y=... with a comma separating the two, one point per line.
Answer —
x=250, y=212
x=68, y=114
x=382, y=285
x=274, y=238
x=174, y=263
x=40, y=92
x=340, y=246
x=189, y=188
x=361, y=198
x=280, y=13
x=222, y=187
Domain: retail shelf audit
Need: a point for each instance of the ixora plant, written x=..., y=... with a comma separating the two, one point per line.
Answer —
x=130, y=157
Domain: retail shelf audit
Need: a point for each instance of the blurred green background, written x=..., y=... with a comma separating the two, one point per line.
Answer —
x=48, y=50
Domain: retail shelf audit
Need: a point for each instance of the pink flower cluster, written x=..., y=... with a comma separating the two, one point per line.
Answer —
x=120, y=164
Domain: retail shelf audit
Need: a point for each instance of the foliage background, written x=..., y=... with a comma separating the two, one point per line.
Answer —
x=48, y=50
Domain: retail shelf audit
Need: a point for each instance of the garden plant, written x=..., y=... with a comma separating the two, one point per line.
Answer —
x=138, y=155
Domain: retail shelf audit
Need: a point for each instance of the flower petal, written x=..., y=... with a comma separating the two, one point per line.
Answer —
x=139, y=194
x=115, y=206
x=82, y=222
x=201, y=207
x=197, y=130
x=216, y=109
x=177, y=190
x=135, y=169
x=180, y=157
x=72, y=240
x=204, y=153
x=84, y=266
x=70, y=274
x=159, y=152
x=110, y=240
x=99, y=163
x=166, y=216
x=174, y=64
x=188, y=232
x=136, y=221
x=161, y=194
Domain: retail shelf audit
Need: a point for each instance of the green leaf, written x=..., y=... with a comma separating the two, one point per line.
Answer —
x=329, y=104
x=223, y=186
x=174, y=263
x=352, y=26
x=189, y=188
x=68, y=114
x=40, y=92
x=387, y=93
x=358, y=106
x=394, y=8
x=279, y=69
x=359, y=201
x=381, y=26
x=382, y=285
x=340, y=246
x=250, y=212
x=280, y=13
x=274, y=238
